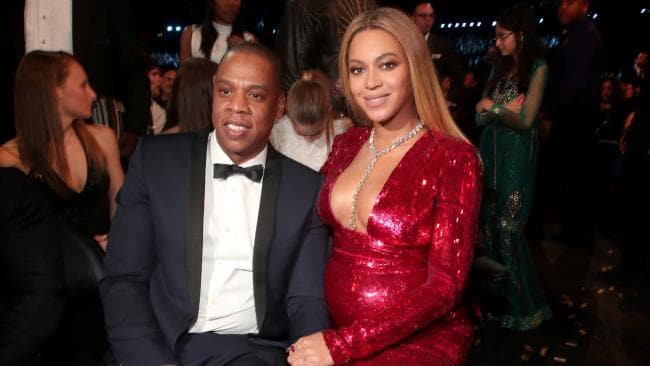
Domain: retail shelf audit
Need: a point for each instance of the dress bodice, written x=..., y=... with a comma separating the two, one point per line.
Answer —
x=400, y=284
x=87, y=211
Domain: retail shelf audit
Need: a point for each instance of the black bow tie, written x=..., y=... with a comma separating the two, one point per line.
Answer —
x=253, y=173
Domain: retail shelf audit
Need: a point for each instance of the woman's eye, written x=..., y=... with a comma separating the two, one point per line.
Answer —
x=388, y=65
x=224, y=91
x=355, y=70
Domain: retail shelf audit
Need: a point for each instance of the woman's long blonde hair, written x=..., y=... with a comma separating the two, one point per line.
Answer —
x=430, y=103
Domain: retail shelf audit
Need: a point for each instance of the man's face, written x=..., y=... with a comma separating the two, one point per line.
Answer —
x=569, y=11
x=247, y=100
x=155, y=81
x=606, y=90
x=641, y=59
x=423, y=17
x=167, y=82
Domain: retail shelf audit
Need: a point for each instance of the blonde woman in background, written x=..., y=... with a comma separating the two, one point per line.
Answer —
x=306, y=132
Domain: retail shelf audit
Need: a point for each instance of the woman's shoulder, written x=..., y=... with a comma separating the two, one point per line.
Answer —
x=454, y=147
x=340, y=125
x=10, y=157
x=105, y=138
x=102, y=134
x=539, y=62
x=281, y=132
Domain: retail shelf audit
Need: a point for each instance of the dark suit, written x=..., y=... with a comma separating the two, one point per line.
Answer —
x=152, y=268
x=104, y=41
x=446, y=61
x=31, y=271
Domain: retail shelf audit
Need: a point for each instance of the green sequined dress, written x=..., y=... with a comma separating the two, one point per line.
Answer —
x=509, y=148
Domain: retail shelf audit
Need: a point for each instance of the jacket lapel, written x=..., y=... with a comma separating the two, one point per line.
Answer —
x=264, y=232
x=194, y=217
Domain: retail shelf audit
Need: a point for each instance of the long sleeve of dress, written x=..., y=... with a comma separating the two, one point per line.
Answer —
x=454, y=224
x=530, y=109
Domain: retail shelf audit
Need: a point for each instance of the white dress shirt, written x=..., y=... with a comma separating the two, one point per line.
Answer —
x=48, y=25
x=158, y=118
x=227, y=303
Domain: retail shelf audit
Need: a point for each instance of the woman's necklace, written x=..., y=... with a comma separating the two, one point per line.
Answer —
x=376, y=154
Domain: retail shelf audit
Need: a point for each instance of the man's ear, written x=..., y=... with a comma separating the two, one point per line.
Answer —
x=281, y=102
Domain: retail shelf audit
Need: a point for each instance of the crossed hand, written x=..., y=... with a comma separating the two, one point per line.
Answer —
x=310, y=351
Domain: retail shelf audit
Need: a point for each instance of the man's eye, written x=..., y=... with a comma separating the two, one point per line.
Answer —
x=224, y=91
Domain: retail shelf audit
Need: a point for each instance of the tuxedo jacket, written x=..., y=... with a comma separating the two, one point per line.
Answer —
x=152, y=269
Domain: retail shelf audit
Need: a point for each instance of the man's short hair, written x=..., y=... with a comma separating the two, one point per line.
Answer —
x=416, y=3
x=263, y=52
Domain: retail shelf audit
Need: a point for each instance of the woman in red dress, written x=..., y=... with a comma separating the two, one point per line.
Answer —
x=402, y=198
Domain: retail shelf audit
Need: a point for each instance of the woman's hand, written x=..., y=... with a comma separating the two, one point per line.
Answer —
x=102, y=241
x=310, y=350
x=515, y=104
x=484, y=105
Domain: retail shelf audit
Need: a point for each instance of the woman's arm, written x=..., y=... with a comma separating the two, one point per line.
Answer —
x=522, y=118
x=10, y=157
x=186, y=43
x=107, y=142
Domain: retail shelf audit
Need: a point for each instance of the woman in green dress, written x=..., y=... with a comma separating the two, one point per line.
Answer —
x=509, y=145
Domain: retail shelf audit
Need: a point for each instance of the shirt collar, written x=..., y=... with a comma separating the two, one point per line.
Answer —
x=217, y=155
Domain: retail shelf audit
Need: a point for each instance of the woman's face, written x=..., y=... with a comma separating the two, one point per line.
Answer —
x=226, y=11
x=75, y=97
x=379, y=78
x=506, y=40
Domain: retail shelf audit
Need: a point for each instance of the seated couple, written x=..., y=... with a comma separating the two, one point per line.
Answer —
x=217, y=250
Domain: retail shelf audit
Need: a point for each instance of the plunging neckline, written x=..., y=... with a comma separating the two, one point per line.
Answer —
x=397, y=167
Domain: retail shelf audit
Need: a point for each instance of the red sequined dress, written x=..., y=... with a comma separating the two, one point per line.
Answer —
x=394, y=293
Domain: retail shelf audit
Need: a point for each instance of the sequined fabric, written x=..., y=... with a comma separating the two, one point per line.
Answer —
x=394, y=293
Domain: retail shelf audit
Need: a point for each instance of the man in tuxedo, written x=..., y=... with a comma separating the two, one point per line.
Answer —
x=216, y=253
x=31, y=272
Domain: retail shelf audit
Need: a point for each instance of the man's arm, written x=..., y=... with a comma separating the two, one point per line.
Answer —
x=131, y=324
x=305, y=299
x=30, y=256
